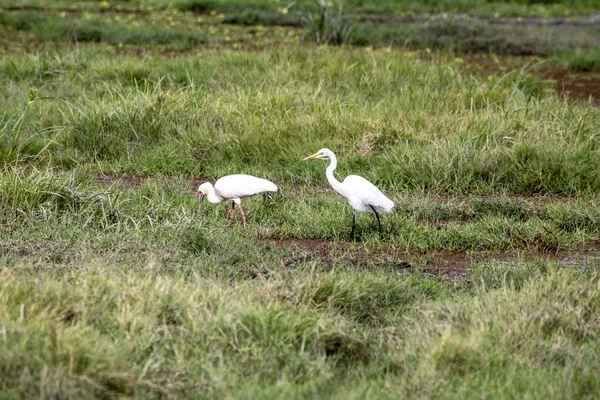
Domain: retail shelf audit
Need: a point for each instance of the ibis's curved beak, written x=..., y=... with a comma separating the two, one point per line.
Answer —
x=311, y=157
x=200, y=199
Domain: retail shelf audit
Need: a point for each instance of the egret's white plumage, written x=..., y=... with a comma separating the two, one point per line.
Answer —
x=234, y=188
x=361, y=194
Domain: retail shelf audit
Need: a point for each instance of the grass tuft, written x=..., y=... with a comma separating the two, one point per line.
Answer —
x=326, y=26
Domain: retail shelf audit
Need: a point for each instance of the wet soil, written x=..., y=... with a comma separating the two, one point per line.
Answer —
x=75, y=10
x=577, y=85
x=569, y=84
x=574, y=21
x=592, y=20
x=452, y=266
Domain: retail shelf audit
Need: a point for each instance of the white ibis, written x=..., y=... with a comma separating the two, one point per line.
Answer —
x=361, y=194
x=234, y=188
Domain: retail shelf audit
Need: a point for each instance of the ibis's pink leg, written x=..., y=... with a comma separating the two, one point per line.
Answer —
x=232, y=214
x=243, y=215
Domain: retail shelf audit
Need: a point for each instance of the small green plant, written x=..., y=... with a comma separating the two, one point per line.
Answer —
x=10, y=137
x=584, y=60
x=13, y=146
x=327, y=26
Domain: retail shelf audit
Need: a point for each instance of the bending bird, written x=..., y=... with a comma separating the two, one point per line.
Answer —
x=361, y=194
x=234, y=188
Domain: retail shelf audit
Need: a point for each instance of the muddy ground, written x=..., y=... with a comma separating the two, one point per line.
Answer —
x=570, y=85
x=452, y=266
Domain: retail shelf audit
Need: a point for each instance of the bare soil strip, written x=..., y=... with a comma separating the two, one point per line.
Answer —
x=452, y=266
x=569, y=84
x=572, y=21
x=581, y=21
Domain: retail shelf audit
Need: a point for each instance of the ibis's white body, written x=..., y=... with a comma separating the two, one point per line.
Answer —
x=234, y=188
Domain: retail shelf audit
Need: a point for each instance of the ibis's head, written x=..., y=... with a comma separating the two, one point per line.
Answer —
x=323, y=153
x=203, y=189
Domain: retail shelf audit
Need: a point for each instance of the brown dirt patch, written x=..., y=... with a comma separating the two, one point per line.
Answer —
x=76, y=10
x=569, y=84
x=452, y=266
x=578, y=85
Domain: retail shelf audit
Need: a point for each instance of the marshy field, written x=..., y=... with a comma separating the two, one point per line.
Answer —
x=479, y=119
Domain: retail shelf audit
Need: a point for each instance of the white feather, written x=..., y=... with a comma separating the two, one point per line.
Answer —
x=240, y=186
x=362, y=195
x=234, y=188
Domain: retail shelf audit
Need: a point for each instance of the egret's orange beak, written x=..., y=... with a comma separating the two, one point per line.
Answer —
x=313, y=156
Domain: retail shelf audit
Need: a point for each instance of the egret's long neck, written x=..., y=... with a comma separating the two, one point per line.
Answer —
x=213, y=196
x=335, y=184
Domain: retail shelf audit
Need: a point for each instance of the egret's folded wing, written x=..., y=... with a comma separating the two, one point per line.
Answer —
x=368, y=193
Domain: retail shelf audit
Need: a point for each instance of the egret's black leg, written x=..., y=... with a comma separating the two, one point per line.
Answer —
x=353, y=225
x=378, y=222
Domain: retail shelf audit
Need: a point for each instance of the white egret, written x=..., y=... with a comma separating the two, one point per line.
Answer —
x=361, y=194
x=234, y=188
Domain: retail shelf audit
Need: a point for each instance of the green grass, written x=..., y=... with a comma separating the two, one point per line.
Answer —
x=91, y=29
x=469, y=36
x=208, y=117
x=99, y=330
x=160, y=207
x=262, y=24
x=483, y=285
x=580, y=60
x=497, y=8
